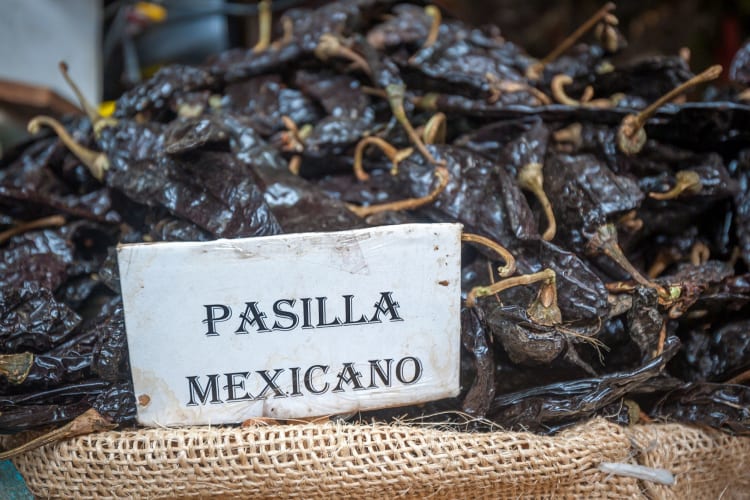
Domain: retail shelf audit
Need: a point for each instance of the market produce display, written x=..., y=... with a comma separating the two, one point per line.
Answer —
x=607, y=226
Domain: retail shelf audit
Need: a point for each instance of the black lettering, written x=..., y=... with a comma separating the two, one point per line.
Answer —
x=280, y=313
x=271, y=384
x=196, y=390
x=295, y=381
x=322, y=314
x=212, y=318
x=306, y=314
x=386, y=306
x=233, y=384
x=384, y=376
x=417, y=370
x=309, y=382
x=348, y=312
x=348, y=375
x=252, y=316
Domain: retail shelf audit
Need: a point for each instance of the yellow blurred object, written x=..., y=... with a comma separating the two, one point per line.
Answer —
x=151, y=11
x=107, y=108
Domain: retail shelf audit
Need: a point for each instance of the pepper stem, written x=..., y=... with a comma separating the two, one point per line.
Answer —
x=393, y=154
x=295, y=164
x=264, y=26
x=50, y=221
x=699, y=254
x=534, y=71
x=605, y=241
x=435, y=129
x=631, y=137
x=88, y=108
x=510, y=262
x=16, y=367
x=525, y=279
x=395, y=94
x=530, y=178
x=437, y=18
x=330, y=46
x=544, y=309
x=410, y=203
x=687, y=181
x=97, y=121
x=558, y=92
x=85, y=423
x=96, y=162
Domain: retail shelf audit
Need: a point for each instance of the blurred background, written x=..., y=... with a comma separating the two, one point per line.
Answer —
x=112, y=45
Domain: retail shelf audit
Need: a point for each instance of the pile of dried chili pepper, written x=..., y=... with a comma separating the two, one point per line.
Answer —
x=619, y=282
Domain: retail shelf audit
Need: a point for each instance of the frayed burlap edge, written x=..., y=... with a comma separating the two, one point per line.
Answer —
x=338, y=459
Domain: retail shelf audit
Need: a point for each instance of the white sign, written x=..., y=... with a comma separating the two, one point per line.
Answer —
x=293, y=325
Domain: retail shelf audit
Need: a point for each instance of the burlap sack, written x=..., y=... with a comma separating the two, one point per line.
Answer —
x=337, y=460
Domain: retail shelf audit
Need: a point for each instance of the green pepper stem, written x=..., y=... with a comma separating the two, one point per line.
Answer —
x=96, y=162
x=510, y=262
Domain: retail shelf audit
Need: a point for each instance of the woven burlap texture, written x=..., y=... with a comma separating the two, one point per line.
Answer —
x=335, y=460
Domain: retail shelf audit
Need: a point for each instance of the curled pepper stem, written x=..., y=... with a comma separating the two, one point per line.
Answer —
x=631, y=137
x=330, y=46
x=435, y=129
x=558, y=92
x=499, y=87
x=97, y=120
x=96, y=162
x=264, y=26
x=510, y=262
x=687, y=181
x=534, y=71
x=408, y=204
x=395, y=94
x=525, y=279
x=85, y=423
x=393, y=154
x=530, y=177
x=605, y=241
x=16, y=367
x=49, y=221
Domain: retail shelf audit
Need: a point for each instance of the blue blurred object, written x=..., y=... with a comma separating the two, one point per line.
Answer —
x=12, y=485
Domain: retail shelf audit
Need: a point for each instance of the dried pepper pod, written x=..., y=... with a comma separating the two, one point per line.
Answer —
x=721, y=406
x=545, y=407
x=475, y=339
